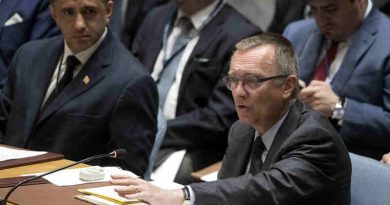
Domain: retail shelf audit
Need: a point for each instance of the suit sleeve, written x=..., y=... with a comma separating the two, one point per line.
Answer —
x=134, y=123
x=307, y=168
x=364, y=119
x=6, y=92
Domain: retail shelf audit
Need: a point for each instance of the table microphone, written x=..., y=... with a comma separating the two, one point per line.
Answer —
x=117, y=154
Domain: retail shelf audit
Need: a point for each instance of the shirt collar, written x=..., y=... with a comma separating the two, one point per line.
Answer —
x=269, y=136
x=84, y=55
x=368, y=9
x=199, y=17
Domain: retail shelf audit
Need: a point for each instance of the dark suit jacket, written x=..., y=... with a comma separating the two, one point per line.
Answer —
x=205, y=108
x=117, y=108
x=286, y=12
x=306, y=164
x=135, y=13
x=36, y=24
x=363, y=79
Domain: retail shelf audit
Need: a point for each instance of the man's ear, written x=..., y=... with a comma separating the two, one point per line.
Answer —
x=289, y=86
x=109, y=10
x=53, y=13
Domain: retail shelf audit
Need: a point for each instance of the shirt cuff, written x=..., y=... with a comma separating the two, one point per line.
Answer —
x=192, y=195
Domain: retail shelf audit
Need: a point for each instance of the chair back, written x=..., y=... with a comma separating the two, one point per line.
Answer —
x=370, y=182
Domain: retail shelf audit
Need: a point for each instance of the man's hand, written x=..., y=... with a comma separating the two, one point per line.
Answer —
x=320, y=96
x=386, y=158
x=134, y=188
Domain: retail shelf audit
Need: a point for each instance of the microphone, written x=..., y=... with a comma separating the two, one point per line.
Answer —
x=116, y=154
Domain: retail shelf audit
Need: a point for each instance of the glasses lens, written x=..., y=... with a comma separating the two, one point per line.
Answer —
x=250, y=81
x=230, y=81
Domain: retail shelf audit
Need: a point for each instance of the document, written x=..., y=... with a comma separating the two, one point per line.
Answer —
x=213, y=176
x=108, y=193
x=70, y=177
x=9, y=153
x=100, y=201
x=168, y=169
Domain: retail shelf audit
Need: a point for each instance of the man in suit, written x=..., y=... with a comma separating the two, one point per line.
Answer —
x=198, y=107
x=109, y=101
x=280, y=152
x=22, y=21
x=354, y=88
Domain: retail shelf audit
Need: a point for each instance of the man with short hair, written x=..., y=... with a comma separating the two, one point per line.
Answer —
x=82, y=93
x=344, y=54
x=280, y=152
x=186, y=46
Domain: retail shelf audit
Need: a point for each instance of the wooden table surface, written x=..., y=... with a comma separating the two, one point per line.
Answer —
x=37, y=168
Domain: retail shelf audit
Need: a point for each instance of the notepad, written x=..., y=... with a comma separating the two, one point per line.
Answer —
x=108, y=193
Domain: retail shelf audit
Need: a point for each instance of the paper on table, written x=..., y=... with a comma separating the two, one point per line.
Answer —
x=70, y=177
x=99, y=201
x=9, y=153
x=210, y=177
x=168, y=169
x=108, y=193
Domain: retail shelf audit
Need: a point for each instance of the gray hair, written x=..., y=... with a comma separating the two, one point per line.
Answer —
x=285, y=58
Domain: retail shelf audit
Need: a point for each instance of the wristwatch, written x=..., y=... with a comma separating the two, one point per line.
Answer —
x=187, y=195
x=338, y=110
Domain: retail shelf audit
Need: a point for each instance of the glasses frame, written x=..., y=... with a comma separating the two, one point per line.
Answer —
x=258, y=80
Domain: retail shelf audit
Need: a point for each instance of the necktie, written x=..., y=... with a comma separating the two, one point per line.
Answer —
x=71, y=63
x=321, y=71
x=169, y=72
x=257, y=151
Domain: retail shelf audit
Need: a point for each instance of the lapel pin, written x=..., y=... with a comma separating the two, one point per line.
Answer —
x=86, y=80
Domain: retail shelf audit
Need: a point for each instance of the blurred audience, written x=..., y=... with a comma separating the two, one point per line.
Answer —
x=271, y=15
x=383, y=5
x=22, y=21
x=344, y=54
x=128, y=16
x=186, y=46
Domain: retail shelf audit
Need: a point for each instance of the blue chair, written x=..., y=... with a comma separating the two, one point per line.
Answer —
x=161, y=129
x=370, y=182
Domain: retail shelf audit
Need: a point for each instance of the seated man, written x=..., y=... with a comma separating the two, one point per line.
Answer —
x=82, y=93
x=344, y=57
x=186, y=46
x=280, y=152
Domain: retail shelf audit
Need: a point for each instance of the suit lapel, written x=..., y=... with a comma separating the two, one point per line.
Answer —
x=361, y=42
x=289, y=125
x=242, y=150
x=40, y=79
x=6, y=11
x=94, y=70
x=157, y=41
x=308, y=62
x=207, y=36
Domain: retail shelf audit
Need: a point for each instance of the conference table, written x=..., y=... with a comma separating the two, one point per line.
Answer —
x=42, y=192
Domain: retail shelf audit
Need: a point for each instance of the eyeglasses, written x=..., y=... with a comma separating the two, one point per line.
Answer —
x=248, y=81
